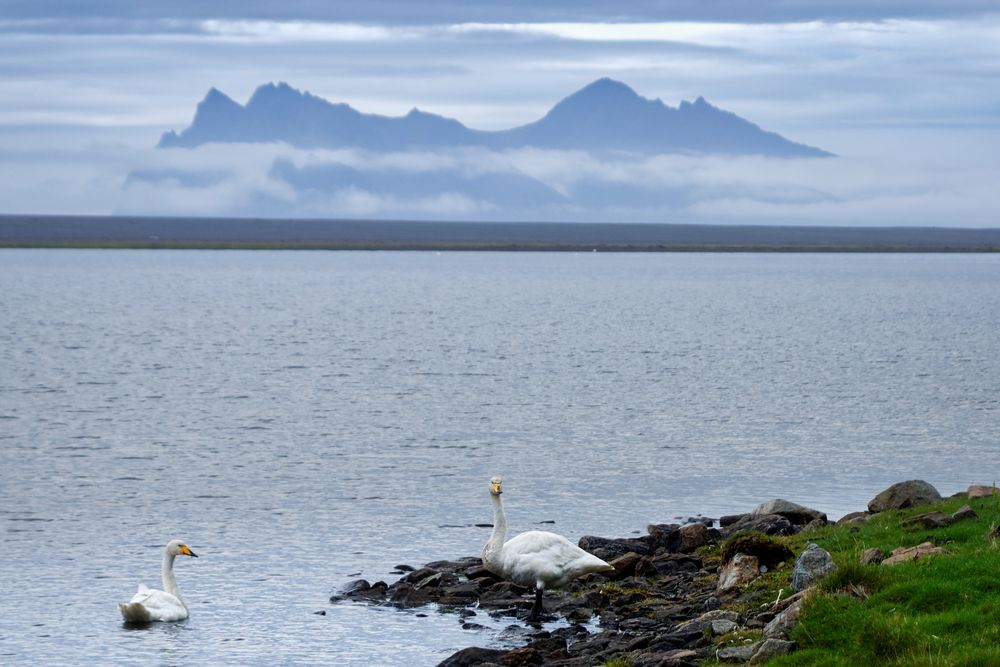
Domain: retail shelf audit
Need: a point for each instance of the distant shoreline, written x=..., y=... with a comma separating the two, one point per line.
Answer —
x=132, y=232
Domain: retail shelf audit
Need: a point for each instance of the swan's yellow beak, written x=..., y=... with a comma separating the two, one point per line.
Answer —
x=495, y=488
x=187, y=552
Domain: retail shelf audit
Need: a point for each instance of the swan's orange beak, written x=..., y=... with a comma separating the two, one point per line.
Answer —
x=188, y=552
x=495, y=487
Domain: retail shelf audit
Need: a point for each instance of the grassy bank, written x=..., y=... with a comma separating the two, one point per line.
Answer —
x=940, y=610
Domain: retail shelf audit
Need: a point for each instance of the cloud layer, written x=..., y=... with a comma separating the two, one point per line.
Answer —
x=531, y=184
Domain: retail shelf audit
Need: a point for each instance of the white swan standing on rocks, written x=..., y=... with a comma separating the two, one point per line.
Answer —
x=149, y=604
x=537, y=558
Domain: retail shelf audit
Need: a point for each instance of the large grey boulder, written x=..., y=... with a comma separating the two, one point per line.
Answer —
x=812, y=565
x=770, y=649
x=797, y=514
x=912, y=493
x=769, y=524
x=471, y=656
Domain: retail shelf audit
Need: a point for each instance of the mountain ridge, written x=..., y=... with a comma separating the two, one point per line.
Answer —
x=603, y=115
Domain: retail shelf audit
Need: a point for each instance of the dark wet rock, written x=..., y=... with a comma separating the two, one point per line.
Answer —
x=580, y=615
x=928, y=520
x=674, y=640
x=699, y=624
x=664, y=536
x=797, y=514
x=624, y=565
x=636, y=624
x=609, y=549
x=479, y=572
x=903, y=495
x=964, y=513
x=459, y=565
x=374, y=592
x=471, y=657
x=736, y=653
x=769, y=524
x=404, y=568
x=644, y=567
x=703, y=520
x=356, y=586
x=436, y=579
x=502, y=594
x=321, y=612
x=669, y=563
x=521, y=657
x=695, y=535
x=730, y=519
x=675, y=658
x=812, y=565
x=459, y=594
x=552, y=647
x=407, y=596
x=422, y=573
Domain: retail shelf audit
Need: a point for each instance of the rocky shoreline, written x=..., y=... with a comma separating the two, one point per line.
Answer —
x=674, y=592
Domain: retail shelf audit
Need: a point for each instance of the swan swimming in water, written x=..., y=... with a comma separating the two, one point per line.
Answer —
x=535, y=558
x=149, y=604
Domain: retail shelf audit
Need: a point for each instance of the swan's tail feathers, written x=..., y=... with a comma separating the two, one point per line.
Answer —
x=134, y=613
x=592, y=563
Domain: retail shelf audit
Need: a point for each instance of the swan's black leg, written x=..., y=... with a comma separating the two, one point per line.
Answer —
x=536, y=609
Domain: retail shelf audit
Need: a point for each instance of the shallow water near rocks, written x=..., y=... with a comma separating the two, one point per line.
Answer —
x=305, y=419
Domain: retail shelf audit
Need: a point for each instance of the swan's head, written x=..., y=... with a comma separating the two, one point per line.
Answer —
x=178, y=548
x=496, y=486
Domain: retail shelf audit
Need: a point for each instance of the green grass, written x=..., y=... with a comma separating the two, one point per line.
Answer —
x=618, y=662
x=938, y=611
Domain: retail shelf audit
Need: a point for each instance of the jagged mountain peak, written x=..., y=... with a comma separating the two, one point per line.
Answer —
x=605, y=114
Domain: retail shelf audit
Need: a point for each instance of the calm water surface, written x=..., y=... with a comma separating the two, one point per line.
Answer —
x=305, y=419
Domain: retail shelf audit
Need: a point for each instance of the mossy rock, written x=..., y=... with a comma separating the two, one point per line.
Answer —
x=765, y=548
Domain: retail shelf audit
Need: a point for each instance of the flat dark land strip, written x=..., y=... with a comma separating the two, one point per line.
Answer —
x=36, y=231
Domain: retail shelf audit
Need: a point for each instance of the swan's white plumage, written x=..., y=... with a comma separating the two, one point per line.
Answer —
x=536, y=558
x=541, y=559
x=150, y=604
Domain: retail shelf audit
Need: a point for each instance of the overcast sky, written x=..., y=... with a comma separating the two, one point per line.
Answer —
x=906, y=93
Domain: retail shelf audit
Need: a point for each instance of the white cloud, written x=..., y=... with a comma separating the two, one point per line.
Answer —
x=857, y=190
x=290, y=31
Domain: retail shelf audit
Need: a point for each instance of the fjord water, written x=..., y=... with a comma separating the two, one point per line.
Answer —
x=304, y=419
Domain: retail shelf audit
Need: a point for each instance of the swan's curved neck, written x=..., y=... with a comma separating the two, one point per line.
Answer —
x=169, y=583
x=491, y=552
